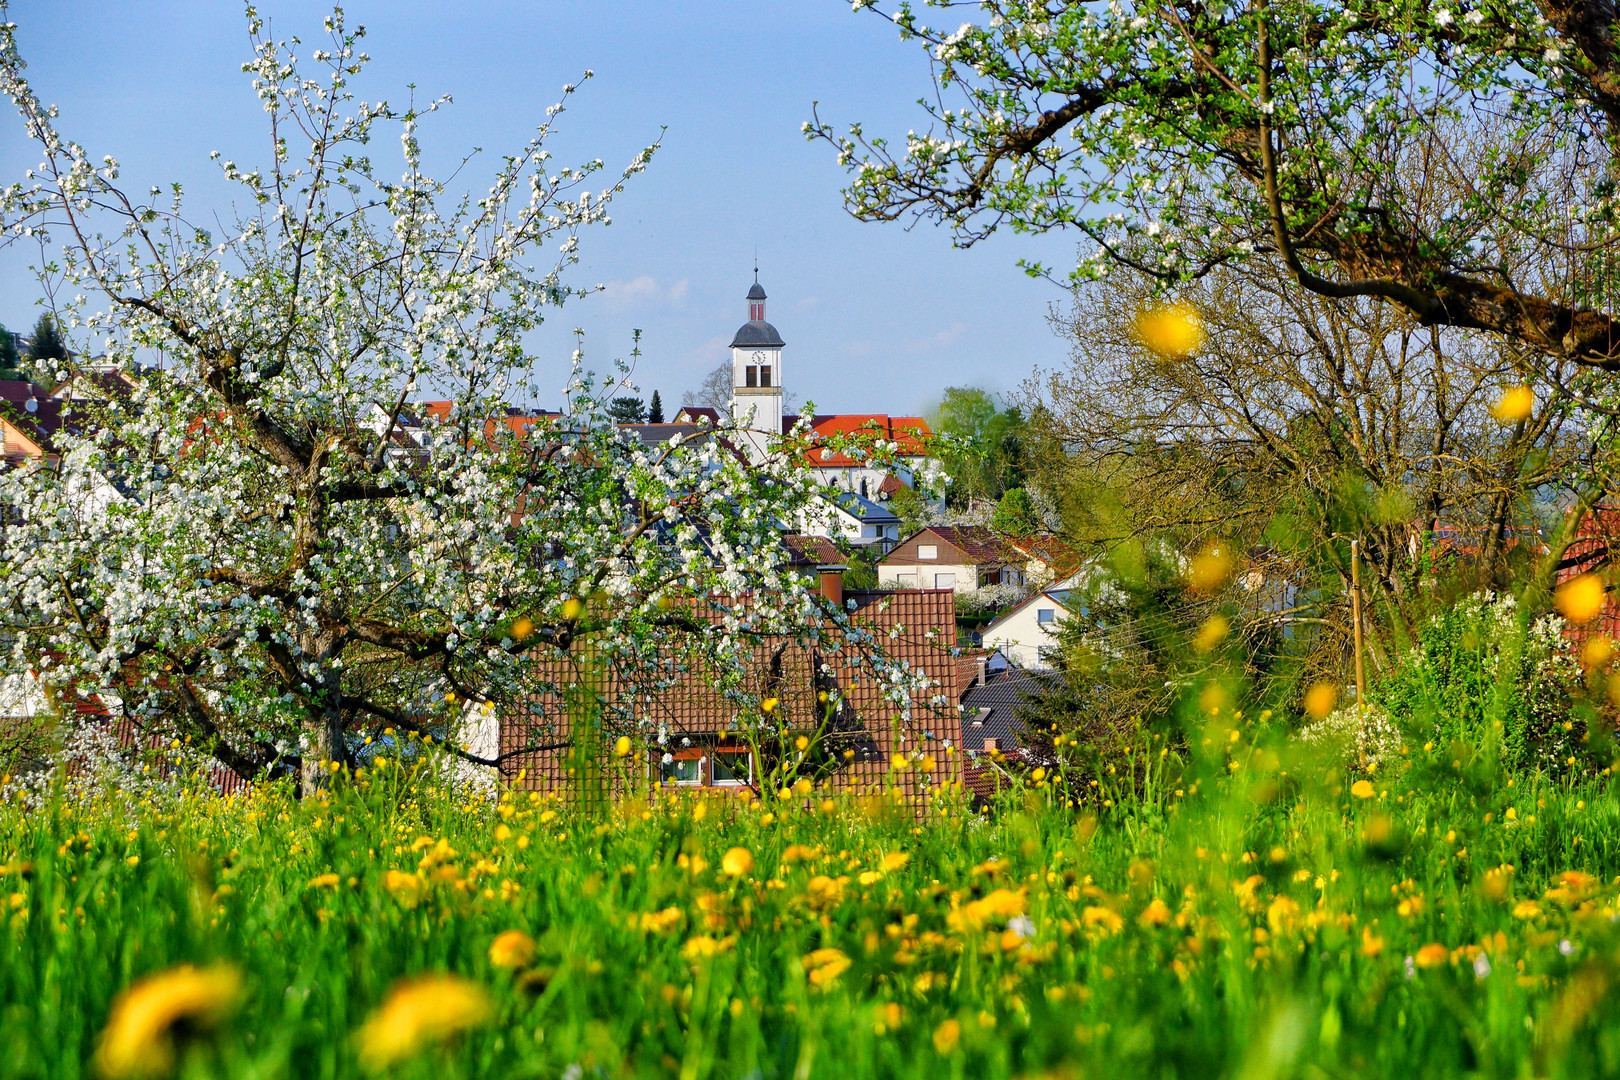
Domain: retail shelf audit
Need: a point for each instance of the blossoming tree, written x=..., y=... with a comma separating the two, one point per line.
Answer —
x=1457, y=158
x=242, y=549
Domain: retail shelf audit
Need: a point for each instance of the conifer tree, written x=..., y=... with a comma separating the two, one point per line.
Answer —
x=655, y=410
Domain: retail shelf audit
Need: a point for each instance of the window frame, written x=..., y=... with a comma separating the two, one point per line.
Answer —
x=928, y=553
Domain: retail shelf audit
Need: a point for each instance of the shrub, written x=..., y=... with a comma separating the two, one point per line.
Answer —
x=1477, y=678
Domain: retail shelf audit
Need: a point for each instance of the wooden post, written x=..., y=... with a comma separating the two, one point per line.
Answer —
x=1355, y=614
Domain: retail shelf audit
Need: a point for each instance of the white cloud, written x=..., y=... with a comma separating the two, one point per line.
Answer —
x=942, y=340
x=643, y=291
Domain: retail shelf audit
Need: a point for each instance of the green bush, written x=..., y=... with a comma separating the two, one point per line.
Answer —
x=1477, y=678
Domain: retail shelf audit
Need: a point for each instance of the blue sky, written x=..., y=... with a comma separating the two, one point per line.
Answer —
x=877, y=318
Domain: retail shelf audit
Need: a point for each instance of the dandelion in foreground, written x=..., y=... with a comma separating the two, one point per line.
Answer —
x=420, y=1012
x=139, y=1037
x=1514, y=404
x=621, y=748
x=1170, y=331
x=737, y=862
x=1320, y=699
x=1580, y=598
x=511, y=949
x=1362, y=789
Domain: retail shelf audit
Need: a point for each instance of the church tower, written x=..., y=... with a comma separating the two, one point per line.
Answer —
x=756, y=375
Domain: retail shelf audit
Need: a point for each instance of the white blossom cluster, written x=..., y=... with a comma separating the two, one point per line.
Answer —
x=268, y=563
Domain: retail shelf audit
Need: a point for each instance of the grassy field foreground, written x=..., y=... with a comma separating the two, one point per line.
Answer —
x=1253, y=925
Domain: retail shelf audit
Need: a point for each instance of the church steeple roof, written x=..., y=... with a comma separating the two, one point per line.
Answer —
x=756, y=333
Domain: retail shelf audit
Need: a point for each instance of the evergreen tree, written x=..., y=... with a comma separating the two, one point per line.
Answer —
x=10, y=362
x=47, y=352
x=1015, y=514
x=627, y=410
x=655, y=410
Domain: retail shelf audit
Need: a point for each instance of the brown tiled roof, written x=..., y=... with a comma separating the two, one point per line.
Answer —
x=41, y=425
x=917, y=626
x=892, y=485
x=812, y=551
x=695, y=413
x=20, y=390
x=979, y=542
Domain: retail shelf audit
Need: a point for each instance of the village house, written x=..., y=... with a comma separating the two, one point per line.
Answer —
x=957, y=557
x=817, y=685
x=1028, y=630
x=854, y=519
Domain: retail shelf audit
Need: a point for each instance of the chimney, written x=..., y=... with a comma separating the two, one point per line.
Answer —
x=984, y=665
x=832, y=584
x=989, y=745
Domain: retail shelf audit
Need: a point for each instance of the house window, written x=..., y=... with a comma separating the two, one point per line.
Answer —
x=944, y=581
x=907, y=581
x=1045, y=615
x=686, y=768
x=753, y=375
x=732, y=767
x=927, y=551
x=765, y=375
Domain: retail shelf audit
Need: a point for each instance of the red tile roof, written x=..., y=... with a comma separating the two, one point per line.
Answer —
x=910, y=432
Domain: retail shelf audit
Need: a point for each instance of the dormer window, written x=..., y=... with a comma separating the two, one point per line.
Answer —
x=927, y=551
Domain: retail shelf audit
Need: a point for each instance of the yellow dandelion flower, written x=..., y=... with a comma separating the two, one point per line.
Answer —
x=1432, y=955
x=511, y=949
x=737, y=862
x=1514, y=404
x=823, y=966
x=324, y=881
x=1106, y=921
x=1371, y=943
x=946, y=1036
x=139, y=1037
x=1362, y=789
x=405, y=888
x=1580, y=598
x=1212, y=633
x=1170, y=331
x=1157, y=913
x=1320, y=699
x=572, y=608
x=703, y=947
x=522, y=628
x=894, y=860
x=1597, y=653
x=768, y=705
x=621, y=748
x=419, y=1012
x=1210, y=568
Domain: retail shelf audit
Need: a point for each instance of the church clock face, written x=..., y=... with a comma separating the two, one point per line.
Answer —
x=757, y=358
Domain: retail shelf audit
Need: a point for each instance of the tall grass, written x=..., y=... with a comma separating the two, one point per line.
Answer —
x=1257, y=912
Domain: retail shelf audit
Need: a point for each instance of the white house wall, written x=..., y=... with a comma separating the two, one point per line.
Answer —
x=966, y=576
x=1022, y=636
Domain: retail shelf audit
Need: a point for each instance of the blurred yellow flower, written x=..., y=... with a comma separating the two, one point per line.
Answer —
x=768, y=705
x=572, y=608
x=946, y=1036
x=1212, y=633
x=823, y=966
x=324, y=881
x=1320, y=699
x=511, y=949
x=894, y=860
x=998, y=906
x=661, y=921
x=522, y=628
x=737, y=862
x=1371, y=943
x=1597, y=652
x=1170, y=331
x=139, y=1037
x=418, y=1012
x=1210, y=568
x=1157, y=913
x=1362, y=789
x=1514, y=404
x=406, y=888
x=1432, y=955
x=1105, y=920
x=1580, y=598
x=621, y=748
x=702, y=947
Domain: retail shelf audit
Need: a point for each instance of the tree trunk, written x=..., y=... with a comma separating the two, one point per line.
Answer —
x=324, y=741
